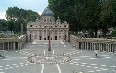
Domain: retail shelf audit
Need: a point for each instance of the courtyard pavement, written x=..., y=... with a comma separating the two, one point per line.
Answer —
x=81, y=60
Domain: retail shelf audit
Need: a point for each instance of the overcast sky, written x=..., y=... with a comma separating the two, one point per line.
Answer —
x=35, y=5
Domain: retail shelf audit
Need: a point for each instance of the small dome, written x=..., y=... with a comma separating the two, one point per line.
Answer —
x=47, y=12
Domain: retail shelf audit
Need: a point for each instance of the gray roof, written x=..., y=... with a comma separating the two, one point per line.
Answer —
x=47, y=12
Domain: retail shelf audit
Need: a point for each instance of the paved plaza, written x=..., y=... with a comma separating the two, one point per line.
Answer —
x=80, y=60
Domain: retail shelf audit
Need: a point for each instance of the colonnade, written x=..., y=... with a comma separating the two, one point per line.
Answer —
x=108, y=45
x=9, y=46
x=12, y=43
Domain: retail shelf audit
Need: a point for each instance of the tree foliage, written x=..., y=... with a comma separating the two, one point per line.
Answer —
x=86, y=15
x=17, y=16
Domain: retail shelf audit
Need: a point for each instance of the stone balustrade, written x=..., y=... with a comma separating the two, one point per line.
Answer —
x=101, y=44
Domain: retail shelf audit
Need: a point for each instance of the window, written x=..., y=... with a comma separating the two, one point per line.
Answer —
x=30, y=25
x=64, y=25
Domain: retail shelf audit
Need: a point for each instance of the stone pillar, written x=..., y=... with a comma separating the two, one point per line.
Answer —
x=110, y=48
x=77, y=45
x=114, y=47
x=8, y=45
x=92, y=46
x=81, y=45
x=106, y=47
x=52, y=34
x=87, y=45
x=84, y=43
x=3, y=45
x=13, y=45
x=99, y=47
x=18, y=45
x=38, y=35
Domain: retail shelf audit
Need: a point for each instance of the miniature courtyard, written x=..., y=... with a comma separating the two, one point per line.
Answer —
x=78, y=60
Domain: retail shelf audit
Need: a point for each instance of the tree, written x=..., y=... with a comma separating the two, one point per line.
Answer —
x=86, y=15
x=3, y=23
x=17, y=16
x=82, y=14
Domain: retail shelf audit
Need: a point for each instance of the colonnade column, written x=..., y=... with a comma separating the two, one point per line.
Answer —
x=90, y=46
x=109, y=47
x=106, y=47
x=13, y=45
x=8, y=45
x=99, y=47
x=87, y=45
x=3, y=45
x=18, y=45
x=82, y=45
x=114, y=48
x=93, y=46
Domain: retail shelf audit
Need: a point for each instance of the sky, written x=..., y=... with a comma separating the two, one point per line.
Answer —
x=35, y=5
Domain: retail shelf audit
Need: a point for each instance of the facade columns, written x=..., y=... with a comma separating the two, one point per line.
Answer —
x=42, y=37
x=46, y=35
x=38, y=34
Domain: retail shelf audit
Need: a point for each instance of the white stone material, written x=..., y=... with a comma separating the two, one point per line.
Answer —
x=100, y=44
x=59, y=30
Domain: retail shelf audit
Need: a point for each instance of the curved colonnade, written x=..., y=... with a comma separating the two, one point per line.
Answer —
x=101, y=44
x=12, y=43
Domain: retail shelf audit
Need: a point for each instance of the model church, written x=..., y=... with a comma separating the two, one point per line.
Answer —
x=47, y=27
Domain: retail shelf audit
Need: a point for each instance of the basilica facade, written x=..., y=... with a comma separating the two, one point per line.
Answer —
x=47, y=27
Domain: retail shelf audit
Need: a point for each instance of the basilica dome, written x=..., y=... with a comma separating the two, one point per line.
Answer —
x=47, y=12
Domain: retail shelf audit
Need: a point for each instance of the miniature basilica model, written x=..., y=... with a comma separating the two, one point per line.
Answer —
x=47, y=27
